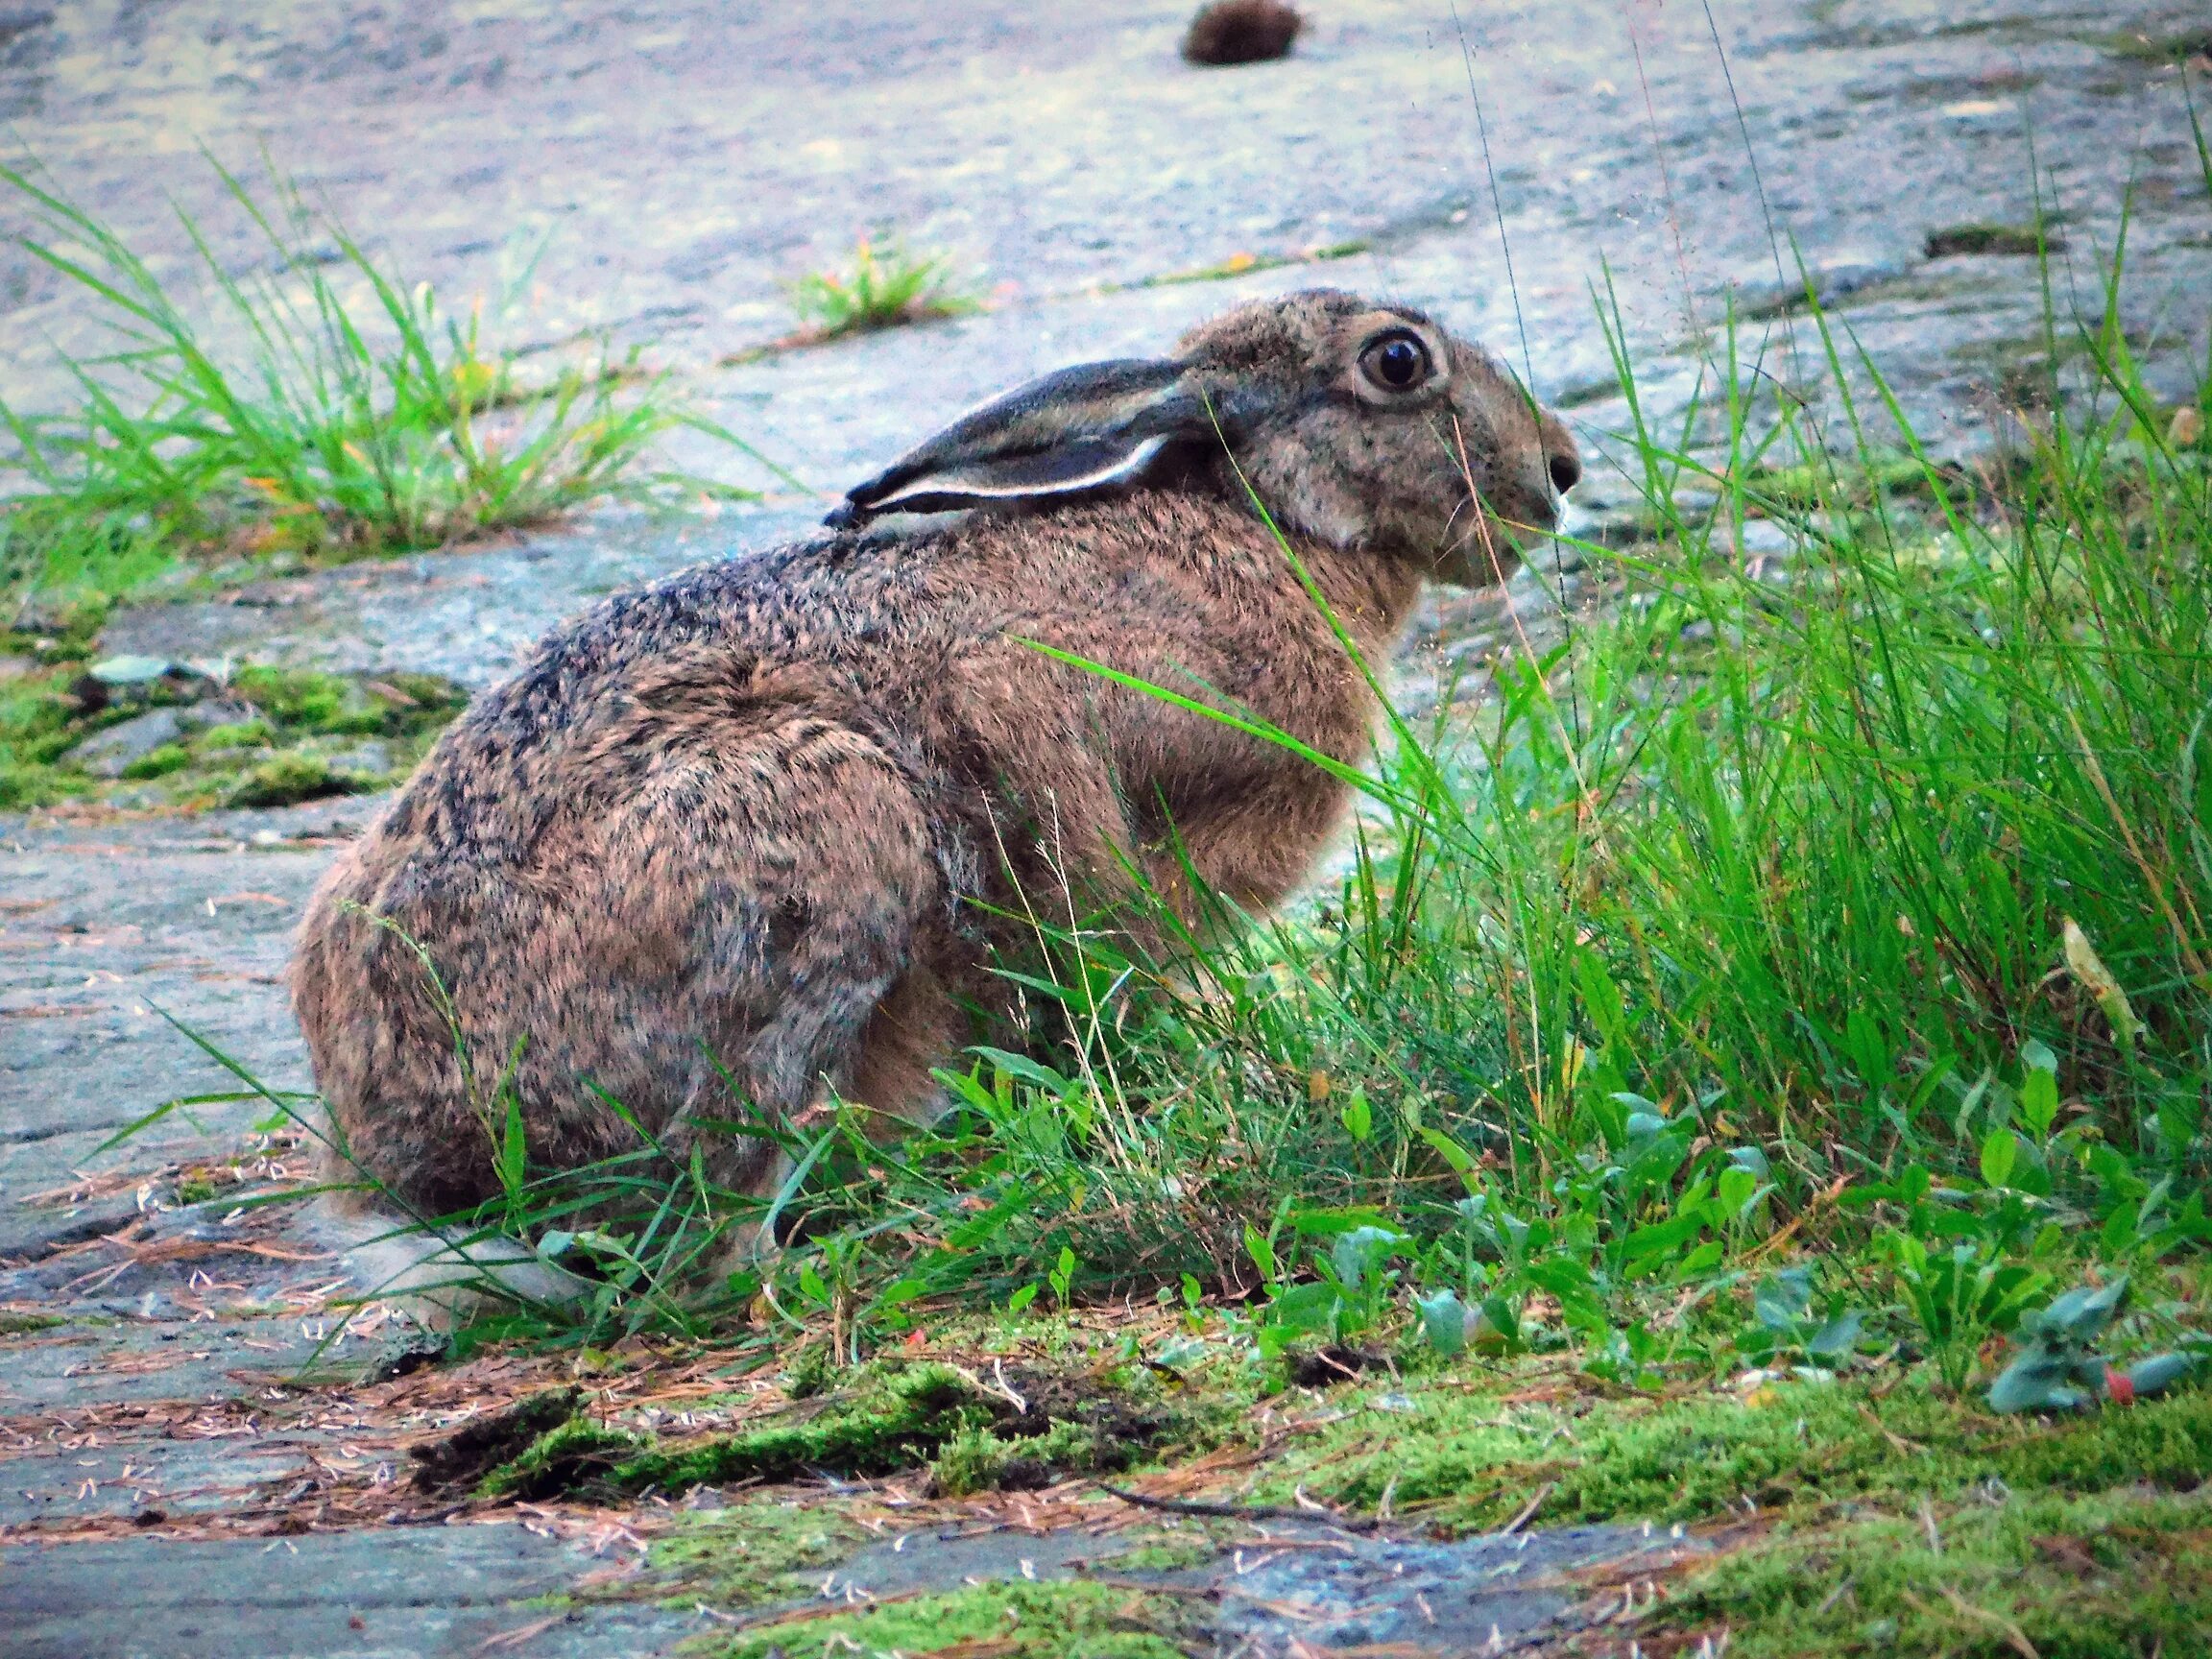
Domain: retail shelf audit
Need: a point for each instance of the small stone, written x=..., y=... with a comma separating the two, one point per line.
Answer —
x=131, y=670
x=1765, y=536
x=706, y=1498
x=2187, y=430
x=215, y=711
x=368, y=758
x=106, y=754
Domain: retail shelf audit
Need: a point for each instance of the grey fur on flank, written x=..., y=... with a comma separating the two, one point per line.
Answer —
x=758, y=813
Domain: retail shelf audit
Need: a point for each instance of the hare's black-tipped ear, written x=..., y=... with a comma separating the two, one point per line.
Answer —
x=1091, y=427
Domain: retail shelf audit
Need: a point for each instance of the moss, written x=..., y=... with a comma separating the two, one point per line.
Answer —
x=298, y=712
x=2147, y=48
x=381, y=704
x=1803, y=488
x=754, y=1553
x=197, y=1189
x=303, y=697
x=484, y=1443
x=159, y=762
x=2077, y=1578
x=1008, y=1621
x=284, y=780
x=241, y=734
x=1982, y=239
x=18, y=1324
x=565, y=1457
x=1797, y=1445
x=980, y=1460
x=891, y=1419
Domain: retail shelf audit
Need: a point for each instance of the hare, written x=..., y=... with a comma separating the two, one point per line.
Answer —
x=757, y=821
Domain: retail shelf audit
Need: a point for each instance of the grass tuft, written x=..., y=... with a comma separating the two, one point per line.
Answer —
x=326, y=410
x=882, y=288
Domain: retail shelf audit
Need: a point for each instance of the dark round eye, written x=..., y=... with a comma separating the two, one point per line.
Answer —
x=1397, y=362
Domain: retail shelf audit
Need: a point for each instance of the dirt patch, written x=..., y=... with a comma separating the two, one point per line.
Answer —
x=458, y=1460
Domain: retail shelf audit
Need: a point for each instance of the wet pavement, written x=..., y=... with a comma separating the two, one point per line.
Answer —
x=657, y=173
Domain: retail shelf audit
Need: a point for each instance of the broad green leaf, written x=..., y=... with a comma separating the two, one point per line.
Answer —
x=1262, y=1254
x=1838, y=1338
x=1783, y=1298
x=1306, y=1308
x=2000, y=1151
x=1444, y=1322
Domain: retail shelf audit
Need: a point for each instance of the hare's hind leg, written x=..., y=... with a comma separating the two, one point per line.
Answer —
x=920, y=1027
x=809, y=877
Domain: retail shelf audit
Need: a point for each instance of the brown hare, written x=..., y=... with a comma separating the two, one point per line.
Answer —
x=759, y=816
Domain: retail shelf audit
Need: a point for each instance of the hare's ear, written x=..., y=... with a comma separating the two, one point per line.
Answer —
x=1090, y=427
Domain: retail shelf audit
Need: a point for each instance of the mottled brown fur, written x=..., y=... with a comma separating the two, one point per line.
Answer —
x=744, y=814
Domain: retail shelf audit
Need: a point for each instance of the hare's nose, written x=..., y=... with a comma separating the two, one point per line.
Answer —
x=1565, y=469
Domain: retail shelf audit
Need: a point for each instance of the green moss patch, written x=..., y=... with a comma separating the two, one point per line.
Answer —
x=565, y=1457
x=1990, y=239
x=756, y=1552
x=2066, y=1578
x=267, y=738
x=887, y=1417
x=1793, y=1446
x=1011, y=1621
x=286, y=779
x=2147, y=47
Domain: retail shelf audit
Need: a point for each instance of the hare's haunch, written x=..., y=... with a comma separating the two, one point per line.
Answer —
x=753, y=823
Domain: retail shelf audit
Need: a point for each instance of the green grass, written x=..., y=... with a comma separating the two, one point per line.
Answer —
x=328, y=410
x=882, y=288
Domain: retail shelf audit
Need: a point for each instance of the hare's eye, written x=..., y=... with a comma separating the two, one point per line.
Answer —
x=1397, y=362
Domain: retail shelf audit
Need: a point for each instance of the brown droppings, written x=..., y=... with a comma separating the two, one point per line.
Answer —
x=1242, y=31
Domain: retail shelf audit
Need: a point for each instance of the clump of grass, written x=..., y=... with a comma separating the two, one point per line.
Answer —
x=882, y=288
x=298, y=422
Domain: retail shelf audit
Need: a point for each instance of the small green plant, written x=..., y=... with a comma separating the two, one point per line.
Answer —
x=882, y=288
